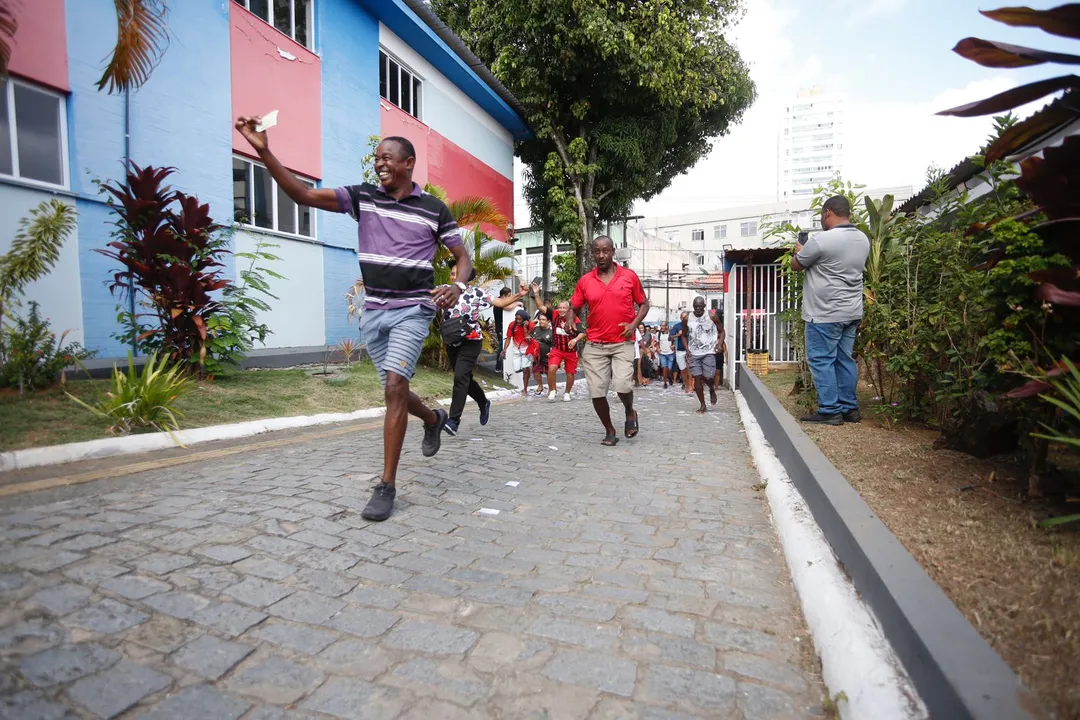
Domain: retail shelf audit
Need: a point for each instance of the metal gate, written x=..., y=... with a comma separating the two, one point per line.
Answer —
x=759, y=297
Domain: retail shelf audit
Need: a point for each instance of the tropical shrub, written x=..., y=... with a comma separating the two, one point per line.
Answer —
x=34, y=250
x=173, y=256
x=33, y=356
x=143, y=399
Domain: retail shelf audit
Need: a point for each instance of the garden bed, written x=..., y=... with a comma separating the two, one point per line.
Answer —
x=48, y=417
x=970, y=525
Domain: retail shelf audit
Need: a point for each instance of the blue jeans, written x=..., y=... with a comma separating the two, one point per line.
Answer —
x=828, y=353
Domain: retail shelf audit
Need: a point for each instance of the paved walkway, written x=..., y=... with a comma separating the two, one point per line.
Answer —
x=643, y=581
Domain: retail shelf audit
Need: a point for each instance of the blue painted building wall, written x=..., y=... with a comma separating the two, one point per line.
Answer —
x=181, y=117
x=348, y=41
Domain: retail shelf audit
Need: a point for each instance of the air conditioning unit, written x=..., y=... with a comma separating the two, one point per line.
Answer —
x=623, y=255
x=682, y=305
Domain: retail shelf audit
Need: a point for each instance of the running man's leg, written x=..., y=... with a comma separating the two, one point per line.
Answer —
x=596, y=361
x=622, y=376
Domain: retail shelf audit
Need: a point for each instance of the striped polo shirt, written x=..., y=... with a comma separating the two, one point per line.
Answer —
x=397, y=243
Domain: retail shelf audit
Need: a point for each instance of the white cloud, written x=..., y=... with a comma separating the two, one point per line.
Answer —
x=894, y=143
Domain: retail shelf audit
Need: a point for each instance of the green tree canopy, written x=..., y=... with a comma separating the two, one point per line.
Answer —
x=623, y=95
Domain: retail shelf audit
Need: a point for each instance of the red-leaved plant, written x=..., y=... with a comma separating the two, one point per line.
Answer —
x=171, y=253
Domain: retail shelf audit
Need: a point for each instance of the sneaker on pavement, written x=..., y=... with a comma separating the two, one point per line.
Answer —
x=381, y=503
x=566, y=397
x=485, y=413
x=451, y=427
x=819, y=419
x=433, y=434
x=852, y=416
x=551, y=396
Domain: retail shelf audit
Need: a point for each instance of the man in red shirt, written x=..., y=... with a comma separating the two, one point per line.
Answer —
x=611, y=292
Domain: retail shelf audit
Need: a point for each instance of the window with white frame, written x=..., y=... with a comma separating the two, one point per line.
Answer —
x=748, y=229
x=400, y=85
x=697, y=235
x=33, y=133
x=699, y=259
x=295, y=18
x=259, y=201
x=719, y=232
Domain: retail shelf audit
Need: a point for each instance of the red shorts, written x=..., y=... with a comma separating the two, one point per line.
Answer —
x=558, y=357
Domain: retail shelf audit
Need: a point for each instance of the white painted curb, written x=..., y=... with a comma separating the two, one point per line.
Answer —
x=130, y=444
x=856, y=659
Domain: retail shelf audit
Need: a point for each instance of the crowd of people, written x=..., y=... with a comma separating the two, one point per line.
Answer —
x=399, y=229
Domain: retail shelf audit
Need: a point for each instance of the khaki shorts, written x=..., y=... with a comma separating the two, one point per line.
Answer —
x=608, y=365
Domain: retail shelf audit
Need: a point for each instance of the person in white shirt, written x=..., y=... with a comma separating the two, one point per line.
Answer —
x=667, y=354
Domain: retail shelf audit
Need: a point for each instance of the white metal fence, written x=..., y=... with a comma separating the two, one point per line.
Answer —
x=759, y=298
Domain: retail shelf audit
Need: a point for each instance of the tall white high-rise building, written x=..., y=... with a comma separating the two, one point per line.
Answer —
x=810, y=147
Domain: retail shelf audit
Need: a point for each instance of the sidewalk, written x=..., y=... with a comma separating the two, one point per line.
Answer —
x=642, y=581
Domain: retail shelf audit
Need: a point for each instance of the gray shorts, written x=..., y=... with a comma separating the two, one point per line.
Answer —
x=703, y=365
x=394, y=338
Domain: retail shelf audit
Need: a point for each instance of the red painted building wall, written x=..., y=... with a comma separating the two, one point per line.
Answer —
x=441, y=162
x=263, y=79
x=39, y=49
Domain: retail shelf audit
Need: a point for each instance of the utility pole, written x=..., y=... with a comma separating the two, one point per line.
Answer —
x=667, y=300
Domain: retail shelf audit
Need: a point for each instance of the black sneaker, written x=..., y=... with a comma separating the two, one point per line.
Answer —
x=433, y=434
x=852, y=416
x=485, y=413
x=451, y=427
x=381, y=503
x=819, y=419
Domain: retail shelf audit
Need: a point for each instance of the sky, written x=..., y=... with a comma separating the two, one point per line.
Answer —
x=893, y=61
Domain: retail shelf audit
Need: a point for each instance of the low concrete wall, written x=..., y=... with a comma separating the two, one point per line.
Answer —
x=958, y=674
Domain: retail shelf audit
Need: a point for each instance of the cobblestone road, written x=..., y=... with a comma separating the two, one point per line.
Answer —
x=642, y=581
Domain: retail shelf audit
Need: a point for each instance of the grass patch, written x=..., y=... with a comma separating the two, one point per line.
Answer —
x=971, y=526
x=48, y=417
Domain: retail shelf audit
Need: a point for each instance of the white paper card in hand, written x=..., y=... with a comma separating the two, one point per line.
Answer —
x=269, y=120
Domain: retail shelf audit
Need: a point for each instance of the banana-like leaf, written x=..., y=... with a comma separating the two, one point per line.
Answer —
x=8, y=26
x=990, y=53
x=1063, y=21
x=141, y=38
x=1062, y=520
x=1039, y=125
x=1053, y=294
x=1015, y=97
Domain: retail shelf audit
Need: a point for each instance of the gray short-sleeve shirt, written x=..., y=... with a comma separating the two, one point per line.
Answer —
x=834, y=261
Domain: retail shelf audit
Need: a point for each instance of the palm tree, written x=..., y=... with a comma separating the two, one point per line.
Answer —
x=486, y=252
x=141, y=39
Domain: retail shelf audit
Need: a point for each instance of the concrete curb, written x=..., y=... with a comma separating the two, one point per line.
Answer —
x=856, y=659
x=131, y=444
x=956, y=672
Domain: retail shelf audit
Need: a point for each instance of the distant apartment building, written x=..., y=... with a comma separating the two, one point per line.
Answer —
x=709, y=234
x=810, y=145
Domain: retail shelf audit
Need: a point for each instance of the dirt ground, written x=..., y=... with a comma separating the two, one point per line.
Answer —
x=971, y=526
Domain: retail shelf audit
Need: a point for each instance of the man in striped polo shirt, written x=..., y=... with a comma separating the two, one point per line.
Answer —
x=399, y=228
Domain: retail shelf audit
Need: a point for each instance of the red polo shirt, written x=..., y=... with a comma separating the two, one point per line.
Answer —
x=609, y=304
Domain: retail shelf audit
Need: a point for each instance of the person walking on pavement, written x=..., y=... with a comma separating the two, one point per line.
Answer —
x=568, y=336
x=705, y=336
x=682, y=354
x=610, y=292
x=464, y=355
x=832, y=307
x=399, y=228
x=667, y=355
x=518, y=347
x=545, y=339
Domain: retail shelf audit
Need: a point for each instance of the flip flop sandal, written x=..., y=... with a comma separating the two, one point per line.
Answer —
x=610, y=441
x=631, y=426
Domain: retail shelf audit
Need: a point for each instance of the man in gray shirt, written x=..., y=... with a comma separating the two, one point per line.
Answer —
x=834, y=261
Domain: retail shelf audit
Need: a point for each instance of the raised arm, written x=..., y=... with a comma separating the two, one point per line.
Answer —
x=538, y=296
x=505, y=302
x=321, y=198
